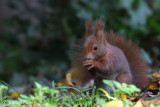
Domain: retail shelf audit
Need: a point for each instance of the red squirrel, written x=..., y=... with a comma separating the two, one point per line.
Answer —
x=102, y=55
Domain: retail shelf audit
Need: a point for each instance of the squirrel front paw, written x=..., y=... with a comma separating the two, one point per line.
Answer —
x=89, y=64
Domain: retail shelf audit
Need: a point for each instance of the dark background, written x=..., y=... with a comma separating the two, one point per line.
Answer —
x=37, y=36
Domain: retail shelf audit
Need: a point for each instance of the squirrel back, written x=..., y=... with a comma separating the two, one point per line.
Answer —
x=132, y=52
x=137, y=64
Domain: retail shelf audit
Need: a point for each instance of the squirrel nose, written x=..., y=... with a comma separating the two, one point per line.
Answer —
x=89, y=56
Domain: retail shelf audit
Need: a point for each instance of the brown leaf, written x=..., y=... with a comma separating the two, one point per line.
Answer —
x=153, y=86
x=135, y=94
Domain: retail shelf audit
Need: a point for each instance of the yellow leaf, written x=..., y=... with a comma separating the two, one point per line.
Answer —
x=68, y=76
x=130, y=100
x=123, y=96
x=153, y=86
x=156, y=75
x=114, y=103
x=138, y=104
x=68, y=79
x=14, y=94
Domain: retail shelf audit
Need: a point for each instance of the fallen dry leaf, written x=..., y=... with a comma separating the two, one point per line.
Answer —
x=152, y=86
x=68, y=80
x=130, y=100
x=15, y=94
x=157, y=102
x=114, y=103
x=153, y=101
x=59, y=84
x=135, y=94
x=138, y=104
x=157, y=75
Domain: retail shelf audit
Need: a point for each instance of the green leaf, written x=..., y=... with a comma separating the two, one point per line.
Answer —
x=38, y=85
x=100, y=101
x=127, y=102
x=108, y=82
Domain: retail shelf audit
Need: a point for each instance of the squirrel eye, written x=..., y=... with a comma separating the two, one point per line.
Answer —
x=95, y=47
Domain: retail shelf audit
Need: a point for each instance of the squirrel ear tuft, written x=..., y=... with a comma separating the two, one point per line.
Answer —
x=89, y=27
x=100, y=24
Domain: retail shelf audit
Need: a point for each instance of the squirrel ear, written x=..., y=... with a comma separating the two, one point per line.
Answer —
x=100, y=35
x=89, y=27
x=100, y=30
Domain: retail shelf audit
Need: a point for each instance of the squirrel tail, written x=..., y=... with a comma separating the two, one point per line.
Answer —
x=137, y=64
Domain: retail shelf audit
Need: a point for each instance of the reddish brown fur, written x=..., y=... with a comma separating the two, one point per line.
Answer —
x=137, y=64
x=79, y=77
x=123, y=78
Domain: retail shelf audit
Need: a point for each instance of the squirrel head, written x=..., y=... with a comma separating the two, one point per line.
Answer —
x=95, y=42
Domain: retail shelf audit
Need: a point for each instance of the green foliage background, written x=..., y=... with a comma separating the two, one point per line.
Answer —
x=37, y=36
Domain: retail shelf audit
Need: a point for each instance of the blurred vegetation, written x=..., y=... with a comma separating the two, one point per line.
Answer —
x=37, y=36
x=65, y=96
